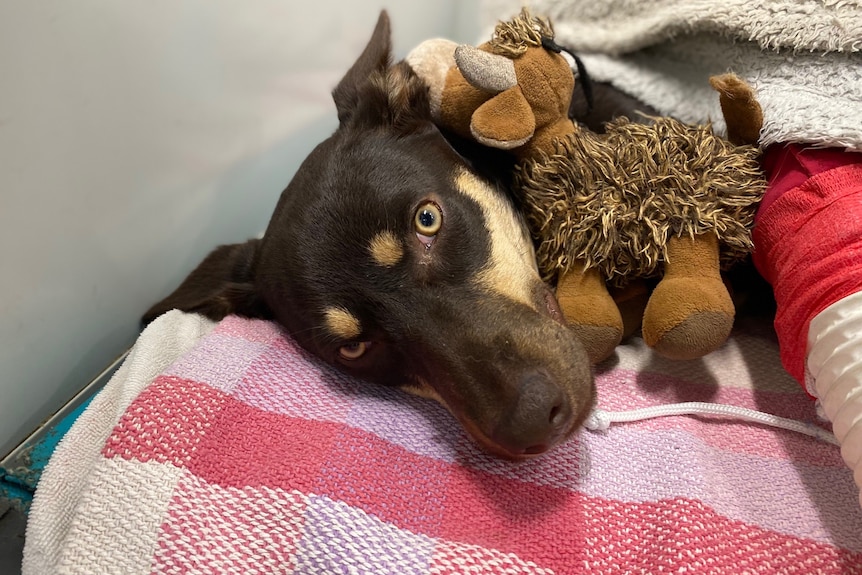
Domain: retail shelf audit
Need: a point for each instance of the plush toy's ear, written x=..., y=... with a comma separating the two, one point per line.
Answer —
x=375, y=58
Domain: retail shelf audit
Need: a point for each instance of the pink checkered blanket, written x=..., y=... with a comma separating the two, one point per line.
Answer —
x=227, y=449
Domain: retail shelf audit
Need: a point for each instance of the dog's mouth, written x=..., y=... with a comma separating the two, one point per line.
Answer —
x=512, y=439
x=551, y=306
x=566, y=425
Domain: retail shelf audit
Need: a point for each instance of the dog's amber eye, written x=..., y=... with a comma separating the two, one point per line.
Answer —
x=428, y=219
x=353, y=350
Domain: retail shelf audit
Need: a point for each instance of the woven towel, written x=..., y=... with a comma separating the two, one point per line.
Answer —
x=246, y=455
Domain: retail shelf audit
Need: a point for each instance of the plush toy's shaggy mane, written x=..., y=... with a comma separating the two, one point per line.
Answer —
x=513, y=38
x=604, y=200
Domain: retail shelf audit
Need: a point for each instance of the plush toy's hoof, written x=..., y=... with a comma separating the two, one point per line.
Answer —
x=599, y=340
x=742, y=113
x=687, y=318
x=596, y=321
x=700, y=334
x=591, y=312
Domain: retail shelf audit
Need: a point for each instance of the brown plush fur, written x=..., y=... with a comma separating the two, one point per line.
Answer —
x=604, y=200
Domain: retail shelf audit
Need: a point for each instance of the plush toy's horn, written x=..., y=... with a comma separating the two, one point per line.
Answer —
x=484, y=70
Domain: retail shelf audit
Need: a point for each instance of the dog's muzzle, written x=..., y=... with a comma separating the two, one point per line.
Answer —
x=517, y=378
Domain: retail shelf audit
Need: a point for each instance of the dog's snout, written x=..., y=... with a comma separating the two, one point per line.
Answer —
x=538, y=417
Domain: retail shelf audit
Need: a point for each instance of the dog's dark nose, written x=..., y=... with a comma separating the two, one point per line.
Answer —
x=539, y=415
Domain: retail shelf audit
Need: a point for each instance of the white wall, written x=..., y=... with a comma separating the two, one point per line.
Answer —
x=135, y=135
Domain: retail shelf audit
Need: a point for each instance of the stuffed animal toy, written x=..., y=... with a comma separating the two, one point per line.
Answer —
x=660, y=199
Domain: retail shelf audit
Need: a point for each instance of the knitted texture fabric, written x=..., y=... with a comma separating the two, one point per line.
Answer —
x=246, y=455
x=612, y=201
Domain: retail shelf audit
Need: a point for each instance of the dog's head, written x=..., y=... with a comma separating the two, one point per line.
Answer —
x=390, y=256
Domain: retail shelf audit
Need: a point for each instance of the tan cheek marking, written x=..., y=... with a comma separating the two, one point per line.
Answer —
x=386, y=249
x=512, y=271
x=422, y=389
x=341, y=323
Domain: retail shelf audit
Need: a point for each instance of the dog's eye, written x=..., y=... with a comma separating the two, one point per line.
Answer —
x=353, y=350
x=428, y=219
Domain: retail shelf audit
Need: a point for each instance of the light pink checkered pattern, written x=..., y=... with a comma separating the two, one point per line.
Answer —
x=256, y=458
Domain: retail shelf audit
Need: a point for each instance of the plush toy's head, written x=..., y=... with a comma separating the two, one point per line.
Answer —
x=478, y=92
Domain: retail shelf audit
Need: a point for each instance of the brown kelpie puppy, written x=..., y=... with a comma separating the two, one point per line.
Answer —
x=396, y=259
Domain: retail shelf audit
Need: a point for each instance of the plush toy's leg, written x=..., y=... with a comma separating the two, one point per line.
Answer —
x=590, y=311
x=690, y=312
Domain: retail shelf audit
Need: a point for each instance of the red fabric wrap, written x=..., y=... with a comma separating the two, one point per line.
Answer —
x=808, y=238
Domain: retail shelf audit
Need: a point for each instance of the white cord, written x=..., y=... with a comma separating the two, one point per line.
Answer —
x=601, y=420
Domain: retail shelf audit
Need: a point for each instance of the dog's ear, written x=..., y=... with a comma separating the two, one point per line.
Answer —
x=222, y=284
x=375, y=59
x=375, y=92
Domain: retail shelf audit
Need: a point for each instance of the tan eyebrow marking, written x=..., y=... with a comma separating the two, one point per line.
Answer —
x=386, y=249
x=341, y=323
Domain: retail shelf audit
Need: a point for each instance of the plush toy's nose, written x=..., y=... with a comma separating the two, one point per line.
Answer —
x=536, y=419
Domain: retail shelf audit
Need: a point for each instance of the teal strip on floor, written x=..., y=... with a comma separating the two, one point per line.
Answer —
x=18, y=483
